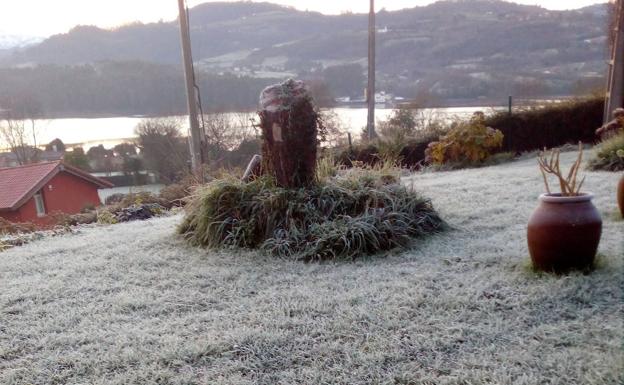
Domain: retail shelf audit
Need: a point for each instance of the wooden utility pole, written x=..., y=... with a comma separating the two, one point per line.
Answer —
x=195, y=142
x=615, y=80
x=370, y=90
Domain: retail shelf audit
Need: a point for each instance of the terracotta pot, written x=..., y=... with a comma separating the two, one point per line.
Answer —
x=564, y=232
x=620, y=195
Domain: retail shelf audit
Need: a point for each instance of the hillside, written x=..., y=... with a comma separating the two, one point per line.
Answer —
x=449, y=49
x=134, y=304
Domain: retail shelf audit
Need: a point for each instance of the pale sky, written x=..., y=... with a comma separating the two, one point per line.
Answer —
x=47, y=17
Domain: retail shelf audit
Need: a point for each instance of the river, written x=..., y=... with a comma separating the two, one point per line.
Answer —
x=111, y=131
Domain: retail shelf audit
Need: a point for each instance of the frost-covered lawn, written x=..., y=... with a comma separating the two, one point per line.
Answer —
x=132, y=304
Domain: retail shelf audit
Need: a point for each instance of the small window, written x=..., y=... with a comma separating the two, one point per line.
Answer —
x=39, y=203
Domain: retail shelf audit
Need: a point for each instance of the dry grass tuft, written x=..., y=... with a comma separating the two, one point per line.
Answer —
x=609, y=154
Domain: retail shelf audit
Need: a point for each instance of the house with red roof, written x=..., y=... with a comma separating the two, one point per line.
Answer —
x=30, y=193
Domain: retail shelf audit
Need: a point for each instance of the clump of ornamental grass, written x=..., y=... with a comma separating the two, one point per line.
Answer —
x=609, y=154
x=345, y=217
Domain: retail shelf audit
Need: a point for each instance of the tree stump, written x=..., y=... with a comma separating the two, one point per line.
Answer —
x=289, y=124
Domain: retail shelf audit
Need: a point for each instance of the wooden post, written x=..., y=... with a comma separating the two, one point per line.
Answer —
x=350, y=142
x=195, y=142
x=615, y=80
x=252, y=168
x=510, y=103
x=370, y=90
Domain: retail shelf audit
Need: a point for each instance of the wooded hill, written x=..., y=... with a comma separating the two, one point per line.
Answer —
x=449, y=49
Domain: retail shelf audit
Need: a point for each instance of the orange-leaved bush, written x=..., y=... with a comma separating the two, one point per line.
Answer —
x=470, y=141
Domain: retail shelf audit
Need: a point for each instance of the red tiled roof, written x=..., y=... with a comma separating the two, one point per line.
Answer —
x=18, y=184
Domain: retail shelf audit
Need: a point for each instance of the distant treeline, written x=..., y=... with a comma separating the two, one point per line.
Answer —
x=119, y=88
x=477, y=49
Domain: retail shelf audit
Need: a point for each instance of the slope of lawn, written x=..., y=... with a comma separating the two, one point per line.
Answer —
x=133, y=304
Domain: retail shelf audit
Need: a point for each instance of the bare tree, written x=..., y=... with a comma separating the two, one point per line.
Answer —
x=333, y=131
x=226, y=131
x=14, y=139
x=163, y=148
x=18, y=130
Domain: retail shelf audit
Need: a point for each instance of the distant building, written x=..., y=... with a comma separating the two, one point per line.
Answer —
x=382, y=97
x=30, y=193
x=56, y=145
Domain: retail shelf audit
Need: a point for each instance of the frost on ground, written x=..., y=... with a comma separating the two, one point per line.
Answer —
x=132, y=304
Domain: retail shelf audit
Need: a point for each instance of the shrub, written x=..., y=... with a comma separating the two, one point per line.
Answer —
x=364, y=153
x=84, y=218
x=177, y=193
x=401, y=124
x=105, y=217
x=344, y=217
x=411, y=124
x=60, y=218
x=326, y=168
x=143, y=197
x=7, y=227
x=163, y=148
x=138, y=212
x=403, y=140
x=413, y=154
x=124, y=201
x=134, y=179
x=409, y=154
x=614, y=126
x=472, y=142
x=381, y=174
x=550, y=126
x=87, y=208
x=114, y=198
x=609, y=154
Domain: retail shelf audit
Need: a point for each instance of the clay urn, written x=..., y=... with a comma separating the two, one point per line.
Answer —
x=620, y=195
x=564, y=233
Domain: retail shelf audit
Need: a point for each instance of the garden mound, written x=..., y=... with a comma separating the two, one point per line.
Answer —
x=341, y=217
